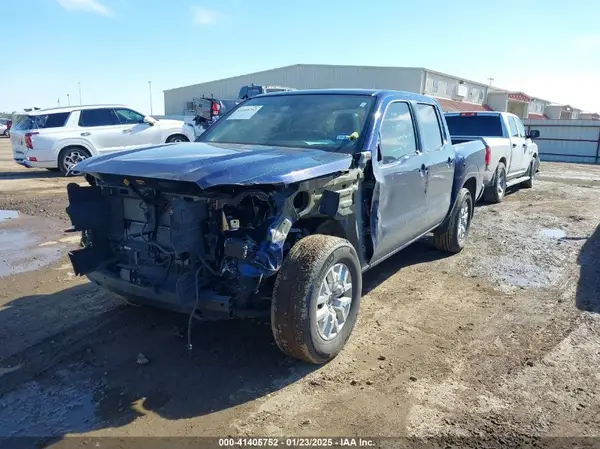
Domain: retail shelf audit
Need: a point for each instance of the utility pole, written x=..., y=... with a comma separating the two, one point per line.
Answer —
x=150, y=89
x=79, y=87
x=490, y=79
x=68, y=100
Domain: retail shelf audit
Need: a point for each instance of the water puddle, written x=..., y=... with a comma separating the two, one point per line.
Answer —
x=8, y=214
x=553, y=233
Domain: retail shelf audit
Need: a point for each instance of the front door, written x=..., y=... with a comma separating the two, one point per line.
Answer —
x=400, y=169
x=517, y=143
x=136, y=133
x=440, y=154
x=527, y=148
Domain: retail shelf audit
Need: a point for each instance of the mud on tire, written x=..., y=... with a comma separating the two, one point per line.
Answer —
x=495, y=193
x=451, y=240
x=296, y=294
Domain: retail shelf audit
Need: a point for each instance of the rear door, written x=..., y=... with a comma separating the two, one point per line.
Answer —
x=440, y=154
x=398, y=207
x=102, y=129
x=517, y=145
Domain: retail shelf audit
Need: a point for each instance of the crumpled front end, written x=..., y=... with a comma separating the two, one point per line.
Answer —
x=174, y=245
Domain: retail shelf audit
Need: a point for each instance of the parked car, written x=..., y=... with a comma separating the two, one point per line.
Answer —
x=252, y=90
x=512, y=158
x=4, y=127
x=59, y=138
x=280, y=208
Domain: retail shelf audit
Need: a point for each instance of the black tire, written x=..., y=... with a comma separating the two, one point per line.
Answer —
x=529, y=183
x=294, y=304
x=450, y=240
x=495, y=193
x=6, y=133
x=177, y=138
x=64, y=154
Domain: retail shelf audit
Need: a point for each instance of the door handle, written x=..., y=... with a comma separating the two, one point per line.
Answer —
x=514, y=145
x=524, y=145
x=125, y=131
x=85, y=134
x=423, y=170
x=450, y=161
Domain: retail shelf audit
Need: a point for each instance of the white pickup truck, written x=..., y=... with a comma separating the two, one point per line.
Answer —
x=511, y=155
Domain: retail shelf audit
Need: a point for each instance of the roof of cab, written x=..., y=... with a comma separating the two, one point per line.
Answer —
x=371, y=92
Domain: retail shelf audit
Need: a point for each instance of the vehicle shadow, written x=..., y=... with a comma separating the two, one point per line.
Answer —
x=30, y=174
x=587, y=297
x=104, y=369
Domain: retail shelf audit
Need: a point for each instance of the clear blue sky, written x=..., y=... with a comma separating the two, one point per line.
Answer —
x=549, y=49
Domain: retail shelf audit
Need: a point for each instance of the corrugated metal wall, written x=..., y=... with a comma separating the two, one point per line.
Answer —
x=301, y=76
x=567, y=140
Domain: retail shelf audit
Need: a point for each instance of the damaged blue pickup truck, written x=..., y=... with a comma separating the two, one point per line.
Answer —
x=278, y=208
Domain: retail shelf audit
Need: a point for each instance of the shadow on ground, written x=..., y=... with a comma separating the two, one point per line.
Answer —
x=83, y=374
x=30, y=174
x=588, y=288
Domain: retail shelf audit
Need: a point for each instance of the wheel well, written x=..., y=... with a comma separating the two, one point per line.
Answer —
x=318, y=225
x=471, y=185
x=503, y=160
x=178, y=135
x=68, y=147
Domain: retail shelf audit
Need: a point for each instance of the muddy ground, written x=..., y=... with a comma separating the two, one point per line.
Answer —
x=500, y=341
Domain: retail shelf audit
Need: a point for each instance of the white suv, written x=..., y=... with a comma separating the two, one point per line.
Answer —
x=59, y=138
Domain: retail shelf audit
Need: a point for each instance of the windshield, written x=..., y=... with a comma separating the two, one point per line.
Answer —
x=475, y=125
x=328, y=121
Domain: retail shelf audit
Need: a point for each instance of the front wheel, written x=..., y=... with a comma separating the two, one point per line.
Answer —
x=529, y=183
x=316, y=298
x=454, y=238
x=177, y=138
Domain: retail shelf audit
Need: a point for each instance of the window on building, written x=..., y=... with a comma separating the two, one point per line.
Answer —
x=397, y=133
x=449, y=89
x=434, y=86
x=431, y=131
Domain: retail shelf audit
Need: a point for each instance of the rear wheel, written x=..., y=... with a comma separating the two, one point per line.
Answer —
x=177, y=138
x=71, y=156
x=316, y=298
x=495, y=193
x=454, y=238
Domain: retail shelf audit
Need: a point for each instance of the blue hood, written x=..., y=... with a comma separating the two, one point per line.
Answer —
x=219, y=164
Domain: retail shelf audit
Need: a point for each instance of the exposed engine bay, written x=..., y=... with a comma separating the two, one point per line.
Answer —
x=215, y=251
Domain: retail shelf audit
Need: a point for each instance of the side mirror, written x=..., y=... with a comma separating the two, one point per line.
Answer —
x=534, y=134
x=149, y=121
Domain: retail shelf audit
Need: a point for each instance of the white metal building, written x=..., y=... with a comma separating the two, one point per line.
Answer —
x=454, y=94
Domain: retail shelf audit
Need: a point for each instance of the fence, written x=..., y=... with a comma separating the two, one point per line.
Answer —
x=567, y=140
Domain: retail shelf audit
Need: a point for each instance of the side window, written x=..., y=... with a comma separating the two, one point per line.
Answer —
x=57, y=120
x=429, y=124
x=397, y=133
x=514, y=131
x=520, y=128
x=97, y=117
x=129, y=117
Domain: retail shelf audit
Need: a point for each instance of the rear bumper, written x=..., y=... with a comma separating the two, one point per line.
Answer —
x=42, y=159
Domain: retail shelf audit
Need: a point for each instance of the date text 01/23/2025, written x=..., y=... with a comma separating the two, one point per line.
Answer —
x=295, y=442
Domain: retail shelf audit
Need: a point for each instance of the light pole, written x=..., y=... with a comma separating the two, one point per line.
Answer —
x=150, y=90
x=68, y=100
x=79, y=87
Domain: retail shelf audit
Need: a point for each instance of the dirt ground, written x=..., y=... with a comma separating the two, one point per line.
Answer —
x=500, y=341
